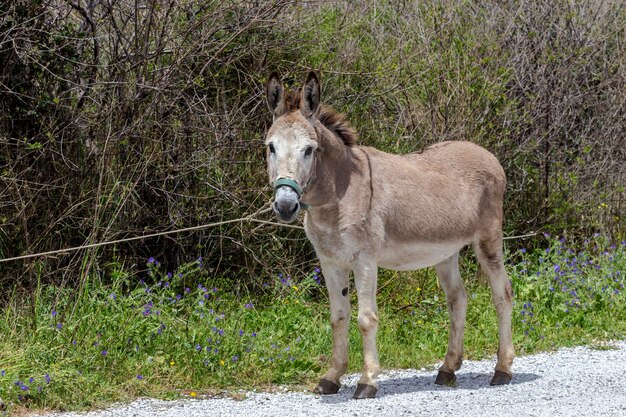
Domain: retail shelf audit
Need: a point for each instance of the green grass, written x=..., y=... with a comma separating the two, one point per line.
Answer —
x=187, y=333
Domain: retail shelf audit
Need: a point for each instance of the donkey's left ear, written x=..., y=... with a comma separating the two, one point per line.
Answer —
x=311, y=94
x=274, y=92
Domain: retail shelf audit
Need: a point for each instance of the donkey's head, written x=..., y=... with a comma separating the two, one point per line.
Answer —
x=292, y=143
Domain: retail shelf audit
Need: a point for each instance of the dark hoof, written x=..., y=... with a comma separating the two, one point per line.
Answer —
x=365, y=391
x=326, y=387
x=500, y=378
x=445, y=378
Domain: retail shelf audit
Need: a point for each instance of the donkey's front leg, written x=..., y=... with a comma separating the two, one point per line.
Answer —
x=365, y=279
x=337, y=282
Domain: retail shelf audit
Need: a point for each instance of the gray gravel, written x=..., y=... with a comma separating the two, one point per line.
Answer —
x=570, y=382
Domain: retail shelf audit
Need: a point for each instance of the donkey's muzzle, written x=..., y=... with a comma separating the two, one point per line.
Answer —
x=286, y=209
x=287, y=199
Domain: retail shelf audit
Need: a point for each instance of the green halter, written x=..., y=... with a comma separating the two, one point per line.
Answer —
x=293, y=184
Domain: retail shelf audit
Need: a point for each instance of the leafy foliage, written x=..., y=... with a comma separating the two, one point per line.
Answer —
x=188, y=332
x=121, y=119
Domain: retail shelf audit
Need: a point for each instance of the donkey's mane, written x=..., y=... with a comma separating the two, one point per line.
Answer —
x=331, y=119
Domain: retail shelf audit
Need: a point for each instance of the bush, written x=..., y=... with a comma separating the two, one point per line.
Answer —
x=119, y=120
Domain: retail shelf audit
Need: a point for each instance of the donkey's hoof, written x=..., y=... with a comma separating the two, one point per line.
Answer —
x=445, y=378
x=365, y=391
x=326, y=387
x=500, y=378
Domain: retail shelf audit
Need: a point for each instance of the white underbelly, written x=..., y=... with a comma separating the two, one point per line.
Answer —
x=410, y=256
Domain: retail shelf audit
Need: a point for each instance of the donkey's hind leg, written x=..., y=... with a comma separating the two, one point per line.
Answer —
x=489, y=254
x=456, y=297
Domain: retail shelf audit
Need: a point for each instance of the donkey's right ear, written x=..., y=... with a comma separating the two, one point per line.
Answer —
x=274, y=93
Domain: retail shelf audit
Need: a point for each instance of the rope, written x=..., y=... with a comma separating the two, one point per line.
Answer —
x=520, y=236
x=249, y=218
x=129, y=239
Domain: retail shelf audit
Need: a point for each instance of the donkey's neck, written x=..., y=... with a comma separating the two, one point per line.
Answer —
x=336, y=167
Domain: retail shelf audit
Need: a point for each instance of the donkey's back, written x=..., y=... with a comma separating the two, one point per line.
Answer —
x=450, y=192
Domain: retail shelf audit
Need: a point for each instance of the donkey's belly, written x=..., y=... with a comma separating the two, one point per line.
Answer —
x=409, y=256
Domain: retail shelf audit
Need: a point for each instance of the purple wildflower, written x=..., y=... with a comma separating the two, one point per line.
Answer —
x=47, y=378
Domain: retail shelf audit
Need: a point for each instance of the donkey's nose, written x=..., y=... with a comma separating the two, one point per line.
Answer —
x=286, y=204
x=286, y=208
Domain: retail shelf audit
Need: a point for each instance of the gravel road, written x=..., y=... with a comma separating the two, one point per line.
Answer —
x=569, y=382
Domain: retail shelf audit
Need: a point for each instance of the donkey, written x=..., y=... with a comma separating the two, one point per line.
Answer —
x=366, y=208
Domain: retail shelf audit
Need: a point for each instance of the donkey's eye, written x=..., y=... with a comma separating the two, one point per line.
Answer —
x=308, y=151
x=271, y=148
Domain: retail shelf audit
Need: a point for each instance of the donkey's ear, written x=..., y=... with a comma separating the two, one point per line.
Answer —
x=274, y=93
x=311, y=94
